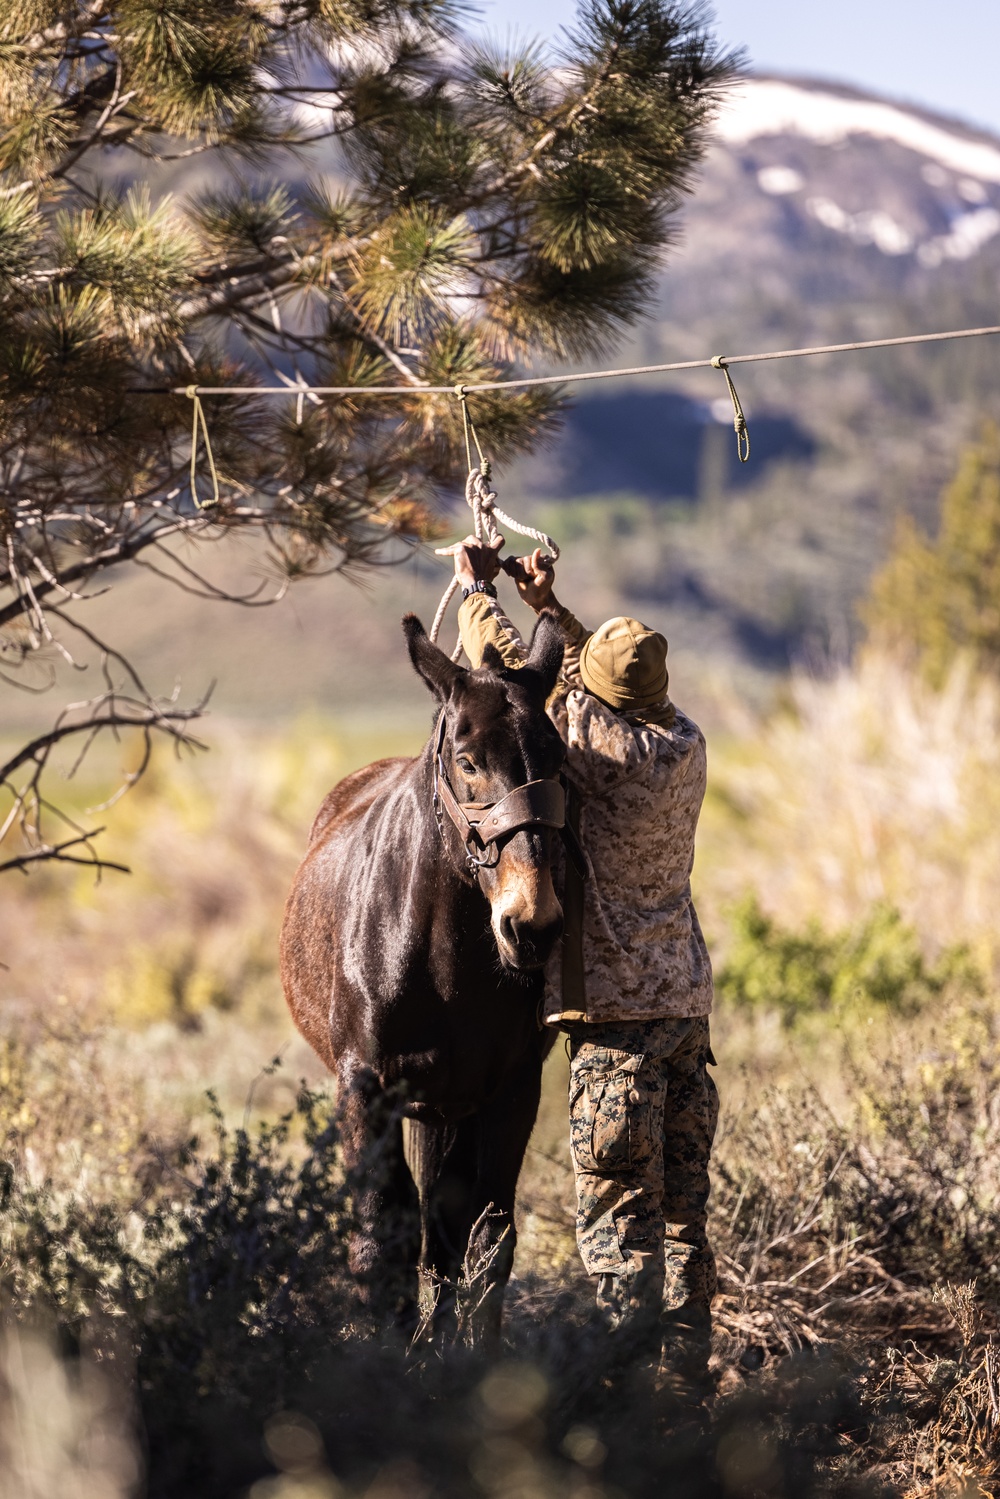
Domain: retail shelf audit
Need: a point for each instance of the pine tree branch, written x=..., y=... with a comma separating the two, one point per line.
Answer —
x=115, y=104
x=101, y=299
x=145, y=716
x=371, y=336
x=554, y=133
x=111, y=711
x=58, y=854
x=208, y=590
x=122, y=549
x=237, y=290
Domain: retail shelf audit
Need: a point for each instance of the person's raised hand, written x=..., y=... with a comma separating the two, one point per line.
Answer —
x=534, y=577
x=475, y=561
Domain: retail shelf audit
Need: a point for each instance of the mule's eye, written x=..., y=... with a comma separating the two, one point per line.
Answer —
x=466, y=766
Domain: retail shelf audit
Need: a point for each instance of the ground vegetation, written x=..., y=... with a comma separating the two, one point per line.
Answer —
x=178, y=1276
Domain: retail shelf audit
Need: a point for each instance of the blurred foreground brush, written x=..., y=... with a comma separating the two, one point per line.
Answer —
x=66, y=1426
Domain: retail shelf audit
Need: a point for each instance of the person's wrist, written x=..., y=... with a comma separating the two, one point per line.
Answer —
x=478, y=585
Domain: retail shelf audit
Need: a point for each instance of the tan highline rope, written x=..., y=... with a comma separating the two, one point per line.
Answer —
x=610, y=374
x=481, y=500
x=478, y=494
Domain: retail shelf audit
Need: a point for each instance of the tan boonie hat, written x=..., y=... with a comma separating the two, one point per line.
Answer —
x=625, y=664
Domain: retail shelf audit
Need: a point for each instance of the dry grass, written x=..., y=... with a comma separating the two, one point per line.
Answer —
x=125, y=1000
x=868, y=787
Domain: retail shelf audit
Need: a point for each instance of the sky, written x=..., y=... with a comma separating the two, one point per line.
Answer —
x=942, y=55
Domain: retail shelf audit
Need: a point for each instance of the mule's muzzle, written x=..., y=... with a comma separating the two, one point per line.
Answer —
x=527, y=918
x=526, y=945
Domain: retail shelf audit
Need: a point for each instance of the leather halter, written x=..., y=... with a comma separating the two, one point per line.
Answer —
x=536, y=804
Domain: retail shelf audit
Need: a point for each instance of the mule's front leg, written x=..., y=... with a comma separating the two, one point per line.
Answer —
x=505, y=1126
x=384, y=1239
x=443, y=1160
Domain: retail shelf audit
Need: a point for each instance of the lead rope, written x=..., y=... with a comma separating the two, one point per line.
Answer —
x=481, y=499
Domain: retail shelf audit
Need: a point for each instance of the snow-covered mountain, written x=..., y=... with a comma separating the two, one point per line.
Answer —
x=823, y=214
x=935, y=200
x=886, y=194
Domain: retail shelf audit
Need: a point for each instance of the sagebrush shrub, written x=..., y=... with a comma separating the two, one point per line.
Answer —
x=878, y=963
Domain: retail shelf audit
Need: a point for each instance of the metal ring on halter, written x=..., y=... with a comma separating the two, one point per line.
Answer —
x=475, y=864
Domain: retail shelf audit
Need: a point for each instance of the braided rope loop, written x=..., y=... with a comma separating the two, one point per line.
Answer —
x=482, y=501
x=200, y=425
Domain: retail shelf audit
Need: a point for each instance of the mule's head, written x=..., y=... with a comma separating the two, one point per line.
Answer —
x=497, y=737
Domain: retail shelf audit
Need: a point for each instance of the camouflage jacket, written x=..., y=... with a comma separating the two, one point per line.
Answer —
x=641, y=781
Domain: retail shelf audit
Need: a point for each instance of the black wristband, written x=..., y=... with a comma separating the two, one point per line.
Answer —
x=479, y=586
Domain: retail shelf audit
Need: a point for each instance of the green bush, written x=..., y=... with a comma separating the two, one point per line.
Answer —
x=879, y=963
x=938, y=598
x=227, y=1314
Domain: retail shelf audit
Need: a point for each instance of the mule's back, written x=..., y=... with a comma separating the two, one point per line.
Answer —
x=352, y=796
x=308, y=932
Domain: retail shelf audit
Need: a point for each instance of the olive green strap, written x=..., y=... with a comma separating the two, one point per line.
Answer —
x=574, y=981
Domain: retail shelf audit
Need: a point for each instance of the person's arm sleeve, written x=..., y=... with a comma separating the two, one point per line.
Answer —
x=577, y=636
x=482, y=622
x=601, y=747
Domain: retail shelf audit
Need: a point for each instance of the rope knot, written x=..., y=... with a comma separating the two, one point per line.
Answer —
x=482, y=501
x=720, y=362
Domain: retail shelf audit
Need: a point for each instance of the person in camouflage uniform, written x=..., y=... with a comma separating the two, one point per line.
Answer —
x=633, y=987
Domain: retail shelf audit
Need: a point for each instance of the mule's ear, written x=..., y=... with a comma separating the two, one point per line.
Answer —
x=493, y=660
x=546, y=653
x=438, y=671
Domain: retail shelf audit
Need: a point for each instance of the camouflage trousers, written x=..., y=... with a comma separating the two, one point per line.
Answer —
x=643, y=1111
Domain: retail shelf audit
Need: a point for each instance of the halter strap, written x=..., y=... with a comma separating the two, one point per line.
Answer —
x=540, y=803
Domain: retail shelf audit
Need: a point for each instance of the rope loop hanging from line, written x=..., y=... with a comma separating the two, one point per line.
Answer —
x=482, y=501
x=198, y=420
x=719, y=362
x=480, y=498
x=469, y=427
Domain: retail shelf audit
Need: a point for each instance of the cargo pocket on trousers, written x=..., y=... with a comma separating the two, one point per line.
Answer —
x=603, y=1108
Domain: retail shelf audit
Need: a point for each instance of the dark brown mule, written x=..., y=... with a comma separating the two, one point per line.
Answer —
x=416, y=972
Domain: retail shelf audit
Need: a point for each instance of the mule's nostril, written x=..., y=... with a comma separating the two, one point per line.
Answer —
x=527, y=944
